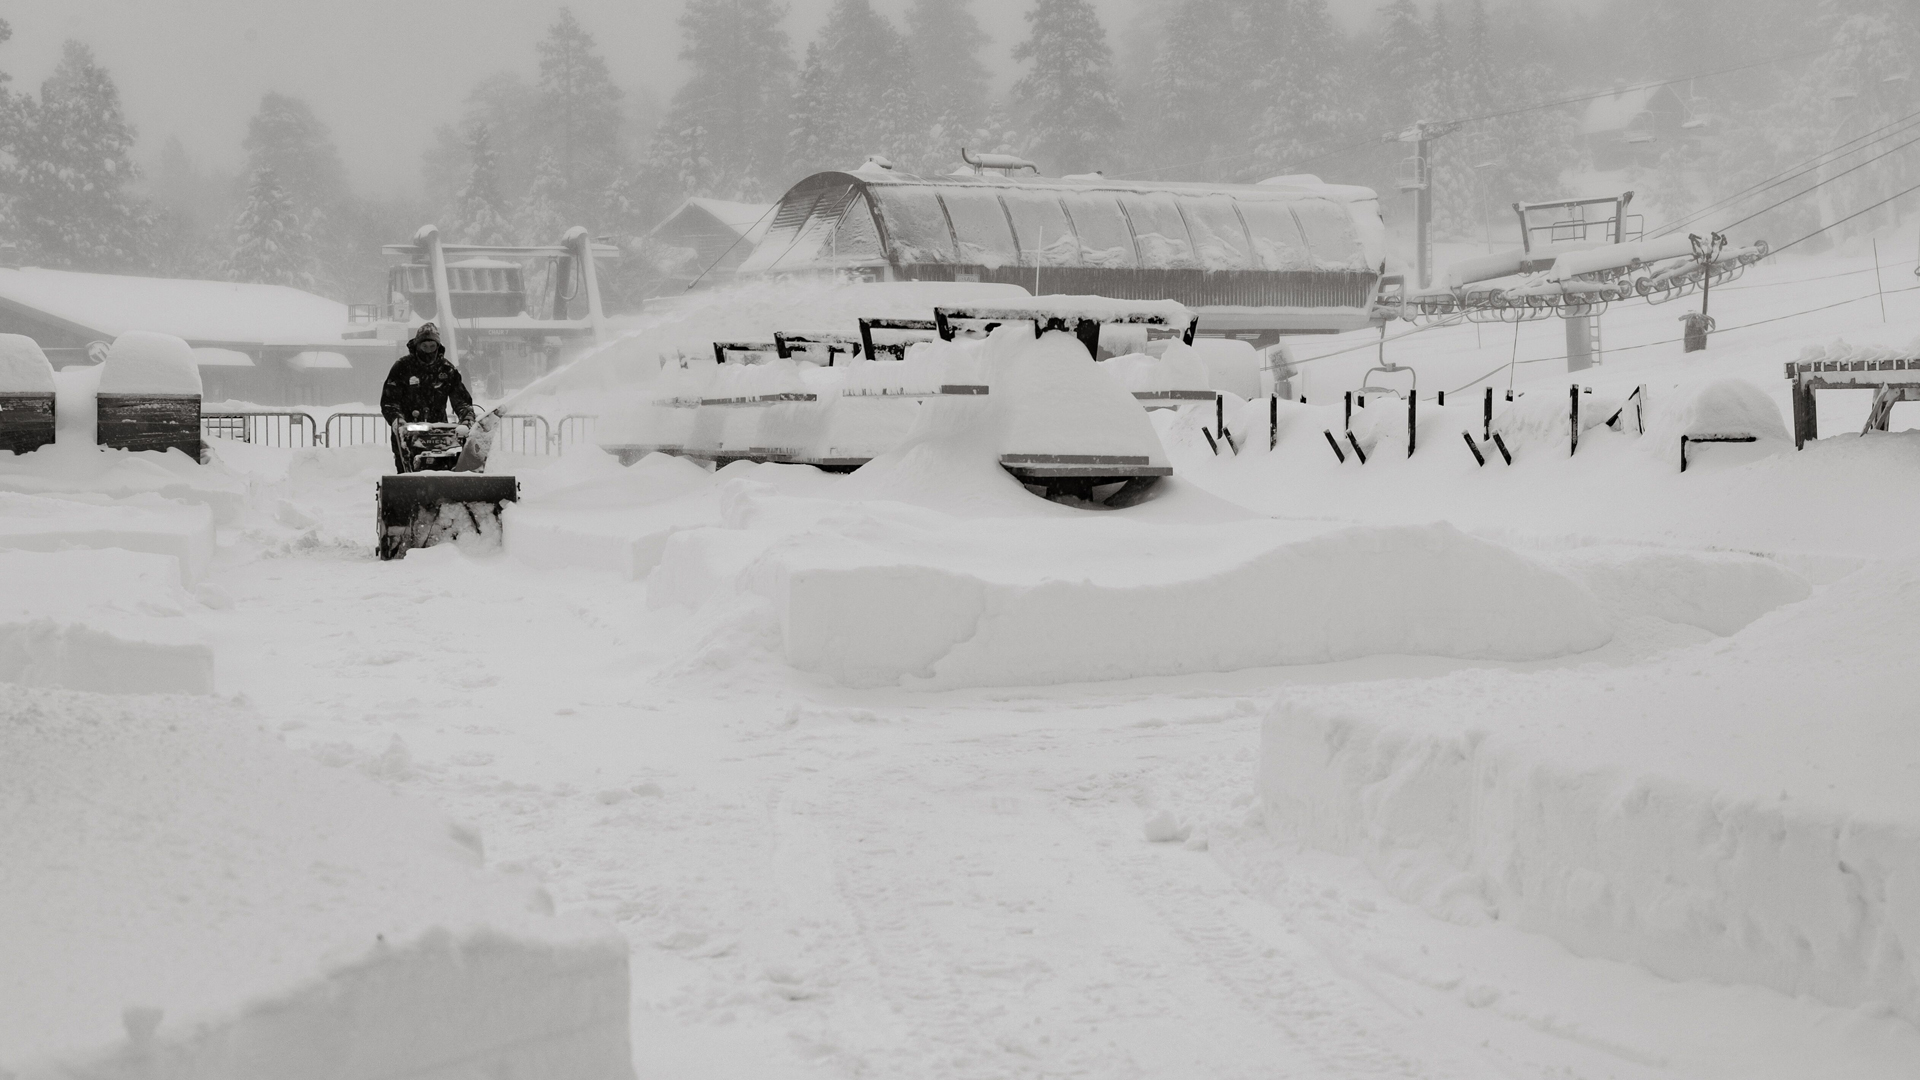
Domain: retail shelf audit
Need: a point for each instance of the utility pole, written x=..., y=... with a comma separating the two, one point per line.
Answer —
x=1422, y=134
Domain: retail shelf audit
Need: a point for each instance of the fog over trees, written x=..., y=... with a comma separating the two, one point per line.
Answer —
x=1212, y=90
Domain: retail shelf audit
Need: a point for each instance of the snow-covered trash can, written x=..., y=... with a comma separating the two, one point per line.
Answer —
x=150, y=395
x=26, y=395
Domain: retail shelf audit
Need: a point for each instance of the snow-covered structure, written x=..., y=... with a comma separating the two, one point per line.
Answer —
x=707, y=236
x=1289, y=255
x=244, y=336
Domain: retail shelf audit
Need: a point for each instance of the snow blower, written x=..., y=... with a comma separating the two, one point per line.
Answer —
x=440, y=494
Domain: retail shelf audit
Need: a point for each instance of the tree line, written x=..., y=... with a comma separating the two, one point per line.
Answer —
x=1214, y=90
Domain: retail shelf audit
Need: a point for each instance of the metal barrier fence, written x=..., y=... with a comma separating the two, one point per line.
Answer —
x=289, y=429
x=517, y=434
x=355, y=429
x=575, y=430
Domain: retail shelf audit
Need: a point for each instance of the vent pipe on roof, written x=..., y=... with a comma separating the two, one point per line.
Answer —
x=1002, y=162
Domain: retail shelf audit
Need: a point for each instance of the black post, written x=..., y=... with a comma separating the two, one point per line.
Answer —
x=1273, y=421
x=1413, y=430
x=1349, y=423
x=1501, y=444
x=1335, y=443
x=1214, y=446
x=1358, y=452
x=1573, y=413
x=1440, y=399
x=1220, y=413
x=1475, y=450
x=1486, y=416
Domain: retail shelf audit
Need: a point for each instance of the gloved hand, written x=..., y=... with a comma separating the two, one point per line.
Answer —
x=461, y=430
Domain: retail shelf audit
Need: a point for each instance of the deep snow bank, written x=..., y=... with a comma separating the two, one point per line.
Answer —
x=274, y=916
x=141, y=523
x=1427, y=590
x=110, y=621
x=1714, y=816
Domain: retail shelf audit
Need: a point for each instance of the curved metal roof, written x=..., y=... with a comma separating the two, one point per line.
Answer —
x=875, y=218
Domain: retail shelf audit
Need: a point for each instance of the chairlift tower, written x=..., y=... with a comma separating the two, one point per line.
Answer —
x=1422, y=134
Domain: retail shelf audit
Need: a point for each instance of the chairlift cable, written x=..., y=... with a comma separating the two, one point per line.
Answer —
x=1793, y=171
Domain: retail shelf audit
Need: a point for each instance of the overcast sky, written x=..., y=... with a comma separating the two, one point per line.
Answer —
x=381, y=73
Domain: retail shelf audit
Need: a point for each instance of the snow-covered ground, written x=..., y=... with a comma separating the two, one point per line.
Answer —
x=1574, y=767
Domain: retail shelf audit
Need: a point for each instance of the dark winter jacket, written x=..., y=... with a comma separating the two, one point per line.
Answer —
x=421, y=389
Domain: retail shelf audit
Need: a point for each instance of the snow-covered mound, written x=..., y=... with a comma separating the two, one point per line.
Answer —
x=111, y=621
x=185, y=897
x=143, y=522
x=140, y=362
x=1420, y=590
x=1720, y=817
x=23, y=366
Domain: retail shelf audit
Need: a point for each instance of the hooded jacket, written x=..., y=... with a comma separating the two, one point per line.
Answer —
x=424, y=389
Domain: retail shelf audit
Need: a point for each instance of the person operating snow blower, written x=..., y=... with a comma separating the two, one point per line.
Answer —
x=424, y=388
x=440, y=444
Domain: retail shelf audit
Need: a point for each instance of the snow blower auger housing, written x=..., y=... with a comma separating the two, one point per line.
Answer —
x=431, y=503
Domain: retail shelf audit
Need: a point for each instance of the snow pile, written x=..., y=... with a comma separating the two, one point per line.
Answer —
x=1716, y=817
x=876, y=617
x=23, y=367
x=109, y=621
x=1720, y=407
x=1842, y=352
x=1718, y=591
x=619, y=523
x=144, y=363
x=141, y=523
x=185, y=897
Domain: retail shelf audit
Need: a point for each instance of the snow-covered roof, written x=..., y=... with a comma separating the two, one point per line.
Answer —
x=748, y=219
x=998, y=220
x=201, y=312
x=1616, y=112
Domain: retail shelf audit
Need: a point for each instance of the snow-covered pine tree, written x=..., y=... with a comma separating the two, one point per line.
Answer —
x=1194, y=109
x=1308, y=112
x=945, y=39
x=270, y=241
x=285, y=136
x=478, y=217
x=820, y=138
x=541, y=217
x=726, y=131
x=1867, y=79
x=582, y=107
x=1073, y=115
x=71, y=205
x=858, y=94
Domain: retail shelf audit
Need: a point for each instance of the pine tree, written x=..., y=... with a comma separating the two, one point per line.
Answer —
x=945, y=39
x=1307, y=110
x=582, y=106
x=819, y=138
x=73, y=166
x=477, y=215
x=510, y=109
x=1067, y=92
x=1194, y=106
x=541, y=218
x=858, y=94
x=271, y=245
x=726, y=131
x=286, y=137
